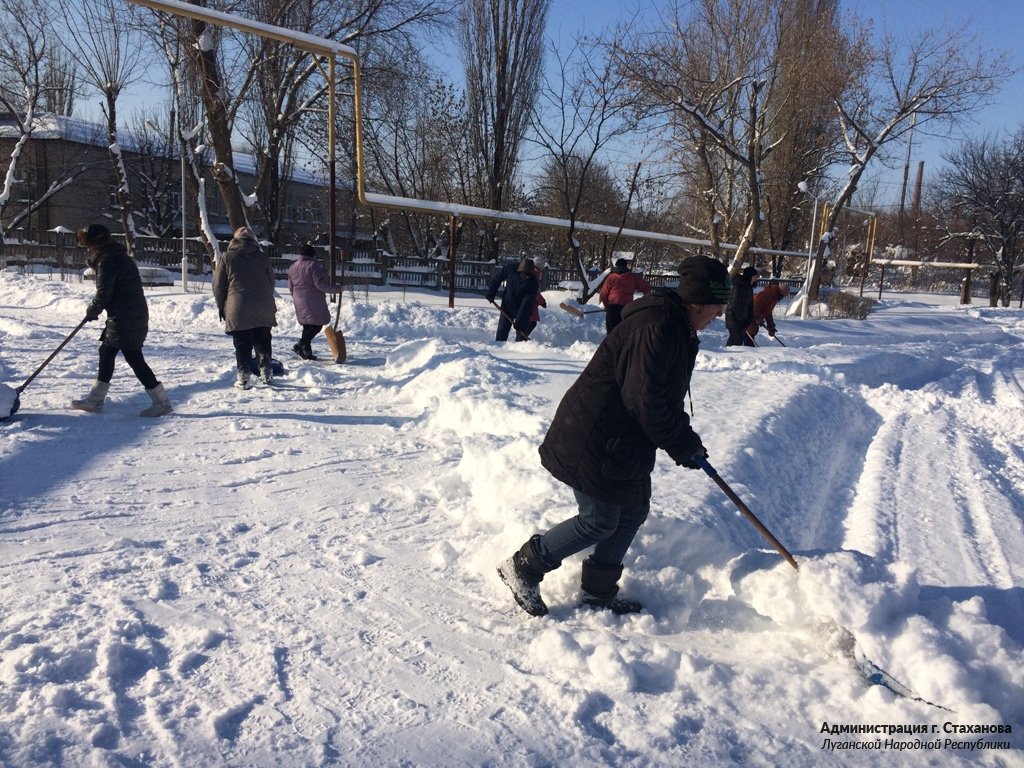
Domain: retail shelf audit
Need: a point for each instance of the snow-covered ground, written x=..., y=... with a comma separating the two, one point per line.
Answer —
x=304, y=575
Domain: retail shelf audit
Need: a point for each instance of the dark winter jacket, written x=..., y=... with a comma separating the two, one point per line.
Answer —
x=627, y=403
x=740, y=312
x=243, y=286
x=621, y=286
x=309, y=286
x=119, y=293
x=517, y=301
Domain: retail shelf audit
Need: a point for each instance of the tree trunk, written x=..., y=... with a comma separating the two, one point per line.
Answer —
x=120, y=174
x=218, y=120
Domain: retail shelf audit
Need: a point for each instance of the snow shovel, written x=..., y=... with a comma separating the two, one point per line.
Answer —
x=335, y=339
x=752, y=342
x=778, y=340
x=769, y=537
x=577, y=311
x=19, y=390
x=526, y=336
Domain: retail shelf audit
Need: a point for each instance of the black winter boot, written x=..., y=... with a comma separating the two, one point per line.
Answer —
x=600, y=589
x=522, y=573
x=266, y=369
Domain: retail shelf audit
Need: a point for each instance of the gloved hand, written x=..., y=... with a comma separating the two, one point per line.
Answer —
x=91, y=314
x=490, y=297
x=771, y=333
x=691, y=463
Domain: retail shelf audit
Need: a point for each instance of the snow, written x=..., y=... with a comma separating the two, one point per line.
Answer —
x=304, y=575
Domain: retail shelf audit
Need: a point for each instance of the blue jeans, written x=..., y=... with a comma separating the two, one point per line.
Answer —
x=611, y=527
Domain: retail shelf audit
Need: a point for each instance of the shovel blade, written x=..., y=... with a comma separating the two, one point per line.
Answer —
x=336, y=341
x=571, y=309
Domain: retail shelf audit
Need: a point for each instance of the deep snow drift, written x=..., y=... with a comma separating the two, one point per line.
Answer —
x=304, y=575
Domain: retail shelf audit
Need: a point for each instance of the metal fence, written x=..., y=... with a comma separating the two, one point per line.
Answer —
x=58, y=253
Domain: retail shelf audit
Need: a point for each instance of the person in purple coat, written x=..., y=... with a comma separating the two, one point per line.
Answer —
x=309, y=286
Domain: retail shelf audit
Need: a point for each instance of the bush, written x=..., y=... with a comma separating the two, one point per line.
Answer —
x=847, y=306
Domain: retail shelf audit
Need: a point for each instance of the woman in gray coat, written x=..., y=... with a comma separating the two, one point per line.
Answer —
x=243, y=286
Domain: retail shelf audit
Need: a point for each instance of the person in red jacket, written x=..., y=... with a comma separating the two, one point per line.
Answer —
x=764, y=305
x=538, y=301
x=618, y=290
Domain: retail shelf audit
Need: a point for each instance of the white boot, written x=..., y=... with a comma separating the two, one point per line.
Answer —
x=93, y=402
x=242, y=382
x=161, y=403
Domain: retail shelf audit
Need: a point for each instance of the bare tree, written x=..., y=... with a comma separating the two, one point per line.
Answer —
x=723, y=79
x=288, y=84
x=416, y=144
x=262, y=90
x=938, y=78
x=154, y=171
x=62, y=86
x=110, y=55
x=579, y=114
x=185, y=124
x=811, y=36
x=982, y=185
x=28, y=69
x=502, y=46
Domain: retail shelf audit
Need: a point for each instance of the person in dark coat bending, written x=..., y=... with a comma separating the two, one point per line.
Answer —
x=119, y=294
x=739, y=314
x=517, y=300
x=627, y=403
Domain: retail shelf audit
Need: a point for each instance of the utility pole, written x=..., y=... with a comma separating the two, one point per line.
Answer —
x=916, y=208
x=906, y=175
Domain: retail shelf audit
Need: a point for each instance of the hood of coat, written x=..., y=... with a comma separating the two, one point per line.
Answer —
x=244, y=246
x=109, y=248
x=663, y=300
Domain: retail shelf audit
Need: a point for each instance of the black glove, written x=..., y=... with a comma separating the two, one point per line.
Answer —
x=691, y=463
x=490, y=297
x=91, y=314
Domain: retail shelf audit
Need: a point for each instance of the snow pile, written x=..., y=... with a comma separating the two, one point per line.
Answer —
x=304, y=574
x=8, y=397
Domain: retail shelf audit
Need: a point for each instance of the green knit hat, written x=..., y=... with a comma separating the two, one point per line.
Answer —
x=703, y=280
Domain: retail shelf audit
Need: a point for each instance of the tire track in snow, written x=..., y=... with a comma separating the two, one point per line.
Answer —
x=927, y=503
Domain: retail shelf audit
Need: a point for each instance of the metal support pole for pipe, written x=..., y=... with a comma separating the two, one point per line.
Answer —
x=332, y=195
x=184, y=252
x=451, y=261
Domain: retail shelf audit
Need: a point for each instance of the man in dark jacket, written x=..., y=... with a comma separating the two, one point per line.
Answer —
x=517, y=300
x=119, y=294
x=739, y=314
x=627, y=403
